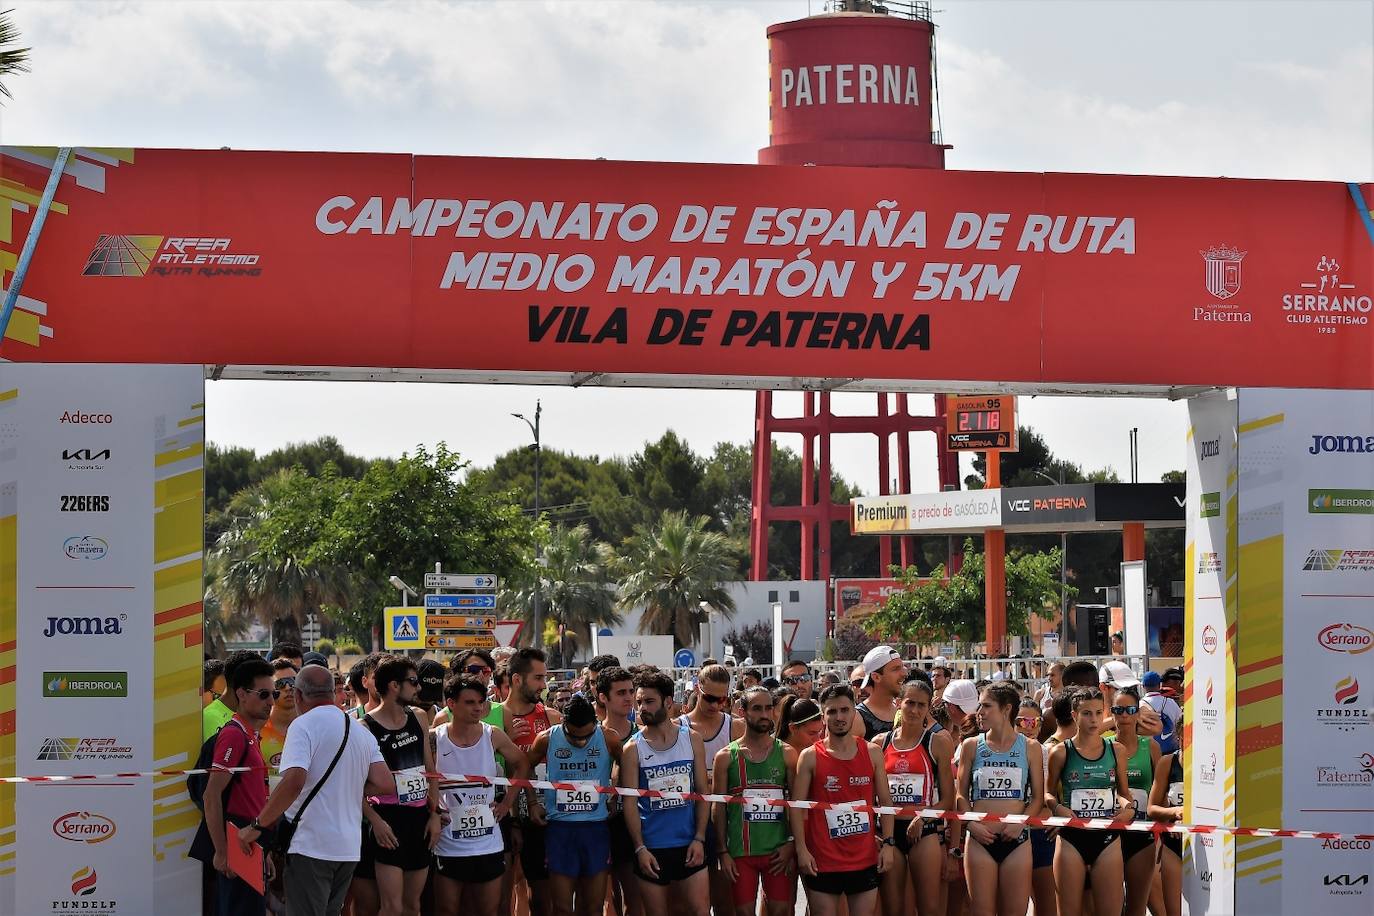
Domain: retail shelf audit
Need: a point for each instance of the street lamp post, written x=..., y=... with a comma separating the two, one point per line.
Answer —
x=538, y=547
x=1063, y=574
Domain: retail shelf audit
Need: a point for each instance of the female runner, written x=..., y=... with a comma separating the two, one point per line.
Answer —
x=1000, y=772
x=1142, y=756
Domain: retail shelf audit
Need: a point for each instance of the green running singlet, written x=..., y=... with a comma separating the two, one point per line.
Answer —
x=756, y=828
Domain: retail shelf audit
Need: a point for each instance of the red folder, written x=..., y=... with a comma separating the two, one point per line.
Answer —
x=247, y=866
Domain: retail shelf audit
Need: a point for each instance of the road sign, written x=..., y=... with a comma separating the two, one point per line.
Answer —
x=508, y=631
x=458, y=622
x=461, y=601
x=789, y=633
x=684, y=659
x=469, y=640
x=460, y=580
x=405, y=628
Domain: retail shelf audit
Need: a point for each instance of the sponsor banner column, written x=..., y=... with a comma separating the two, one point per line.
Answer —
x=1307, y=644
x=90, y=503
x=1209, y=860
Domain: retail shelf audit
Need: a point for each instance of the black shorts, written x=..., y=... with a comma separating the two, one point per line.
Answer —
x=843, y=883
x=672, y=866
x=1002, y=847
x=412, y=849
x=1173, y=842
x=532, y=851
x=904, y=843
x=1133, y=841
x=622, y=847
x=471, y=869
x=1089, y=843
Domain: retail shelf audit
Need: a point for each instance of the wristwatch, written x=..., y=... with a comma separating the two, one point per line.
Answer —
x=257, y=825
x=888, y=841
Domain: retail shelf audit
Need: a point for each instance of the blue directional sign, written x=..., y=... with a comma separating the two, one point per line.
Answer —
x=684, y=658
x=461, y=601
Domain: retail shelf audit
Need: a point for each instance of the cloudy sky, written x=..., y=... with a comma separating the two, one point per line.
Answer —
x=1242, y=89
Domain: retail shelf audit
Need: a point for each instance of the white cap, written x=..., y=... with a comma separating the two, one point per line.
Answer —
x=962, y=693
x=940, y=662
x=1117, y=674
x=876, y=658
x=999, y=676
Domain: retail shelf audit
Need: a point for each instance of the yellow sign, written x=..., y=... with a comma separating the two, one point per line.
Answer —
x=404, y=628
x=458, y=622
x=469, y=640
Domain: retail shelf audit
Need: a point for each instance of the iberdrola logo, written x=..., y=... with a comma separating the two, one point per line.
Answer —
x=1347, y=691
x=83, y=881
x=57, y=685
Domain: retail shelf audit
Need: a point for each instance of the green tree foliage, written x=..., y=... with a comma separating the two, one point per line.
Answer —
x=951, y=609
x=574, y=588
x=402, y=518
x=12, y=59
x=754, y=641
x=266, y=564
x=669, y=567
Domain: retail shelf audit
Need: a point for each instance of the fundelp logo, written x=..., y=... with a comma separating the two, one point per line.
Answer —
x=84, y=881
x=83, y=827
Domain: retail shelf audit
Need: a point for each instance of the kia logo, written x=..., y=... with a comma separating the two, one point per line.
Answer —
x=1346, y=637
x=83, y=827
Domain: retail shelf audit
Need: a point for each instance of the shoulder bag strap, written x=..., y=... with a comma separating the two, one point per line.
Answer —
x=325, y=778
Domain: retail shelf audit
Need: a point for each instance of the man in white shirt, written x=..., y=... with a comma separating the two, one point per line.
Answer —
x=328, y=839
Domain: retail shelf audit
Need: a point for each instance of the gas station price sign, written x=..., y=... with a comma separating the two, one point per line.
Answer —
x=981, y=423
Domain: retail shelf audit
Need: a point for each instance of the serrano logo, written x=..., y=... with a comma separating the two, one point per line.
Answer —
x=1348, y=638
x=1209, y=640
x=168, y=256
x=83, y=827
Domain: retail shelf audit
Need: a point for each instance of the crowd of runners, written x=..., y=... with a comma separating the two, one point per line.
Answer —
x=1094, y=742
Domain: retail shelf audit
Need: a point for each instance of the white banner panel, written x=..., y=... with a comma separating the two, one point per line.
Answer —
x=1209, y=860
x=1306, y=633
x=103, y=501
x=638, y=650
x=907, y=513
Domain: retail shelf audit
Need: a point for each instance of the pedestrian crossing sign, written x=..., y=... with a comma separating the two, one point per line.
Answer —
x=405, y=628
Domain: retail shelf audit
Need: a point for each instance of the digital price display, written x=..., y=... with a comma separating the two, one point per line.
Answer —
x=981, y=423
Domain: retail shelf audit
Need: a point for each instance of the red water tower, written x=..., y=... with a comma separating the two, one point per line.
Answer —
x=853, y=86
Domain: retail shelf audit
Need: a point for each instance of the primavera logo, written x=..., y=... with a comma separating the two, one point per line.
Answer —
x=1326, y=501
x=85, y=547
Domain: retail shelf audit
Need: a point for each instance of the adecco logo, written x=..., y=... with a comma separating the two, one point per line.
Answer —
x=83, y=827
x=83, y=419
x=1348, y=638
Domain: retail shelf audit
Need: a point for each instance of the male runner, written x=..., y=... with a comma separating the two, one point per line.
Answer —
x=406, y=823
x=470, y=855
x=753, y=838
x=578, y=840
x=710, y=718
x=669, y=832
x=615, y=695
x=523, y=717
x=838, y=852
x=884, y=675
x=273, y=736
x=796, y=677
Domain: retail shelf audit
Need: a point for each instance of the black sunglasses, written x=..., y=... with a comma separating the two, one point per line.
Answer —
x=477, y=669
x=712, y=698
x=264, y=693
x=413, y=680
x=792, y=679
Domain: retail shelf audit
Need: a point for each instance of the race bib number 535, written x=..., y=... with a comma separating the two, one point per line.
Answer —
x=842, y=822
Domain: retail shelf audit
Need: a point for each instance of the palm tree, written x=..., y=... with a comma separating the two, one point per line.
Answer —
x=220, y=627
x=574, y=585
x=12, y=60
x=261, y=562
x=670, y=567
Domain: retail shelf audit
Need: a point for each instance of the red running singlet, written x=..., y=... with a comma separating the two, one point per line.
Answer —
x=911, y=773
x=841, y=840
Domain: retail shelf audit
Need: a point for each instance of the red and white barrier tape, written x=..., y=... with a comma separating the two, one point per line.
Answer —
x=907, y=812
